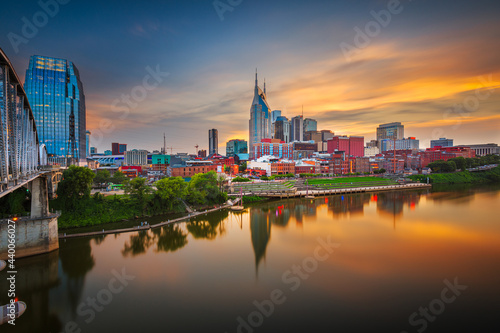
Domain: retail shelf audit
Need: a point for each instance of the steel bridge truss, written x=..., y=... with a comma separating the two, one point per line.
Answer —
x=19, y=146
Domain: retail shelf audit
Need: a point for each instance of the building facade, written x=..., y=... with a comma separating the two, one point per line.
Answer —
x=310, y=125
x=282, y=129
x=297, y=128
x=234, y=147
x=486, y=149
x=352, y=146
x=136, y=157
x=403, y=144
x=213, y=141
x=56, y=96
x=260, y=117
x=273, y=147
x=118, y=148
x=442, y=142
x=274, y=116
x=393, y=131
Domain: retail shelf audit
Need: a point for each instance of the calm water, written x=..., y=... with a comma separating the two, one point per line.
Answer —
x=389, y=257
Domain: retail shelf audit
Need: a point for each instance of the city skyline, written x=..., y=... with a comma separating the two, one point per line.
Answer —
x=404, y=74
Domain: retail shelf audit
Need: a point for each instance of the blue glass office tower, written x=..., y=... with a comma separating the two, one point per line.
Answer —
x=260, y=117
x=55, y=93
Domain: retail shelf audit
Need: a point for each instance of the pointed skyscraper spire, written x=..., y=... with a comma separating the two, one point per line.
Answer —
x=265, y=87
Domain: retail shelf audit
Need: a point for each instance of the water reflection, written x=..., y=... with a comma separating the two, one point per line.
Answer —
x=167, y=239
x=374, y=266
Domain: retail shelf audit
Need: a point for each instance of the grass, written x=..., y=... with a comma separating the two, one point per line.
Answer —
x=462, y=177
x=346, y=180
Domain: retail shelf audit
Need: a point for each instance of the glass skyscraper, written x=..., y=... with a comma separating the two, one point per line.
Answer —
x=55, y=93
x=260, y=117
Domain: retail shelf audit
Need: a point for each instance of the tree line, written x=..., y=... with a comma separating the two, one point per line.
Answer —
x=80, y=208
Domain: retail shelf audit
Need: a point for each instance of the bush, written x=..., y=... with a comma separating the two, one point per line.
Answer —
x=240, y=180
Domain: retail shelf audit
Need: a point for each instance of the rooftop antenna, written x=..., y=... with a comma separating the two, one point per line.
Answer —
x=302, y=110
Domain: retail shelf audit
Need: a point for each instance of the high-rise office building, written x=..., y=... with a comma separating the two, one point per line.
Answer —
x=55, y=93
x=282, y=129
x=310, y=125
x=297, y=128
x=442, y=142
x=393, y=131
x=213, y=142
x=274, y=116
x=260, y=117
x=118, y=148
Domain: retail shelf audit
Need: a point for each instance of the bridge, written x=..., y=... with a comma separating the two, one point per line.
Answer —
x=22, y=164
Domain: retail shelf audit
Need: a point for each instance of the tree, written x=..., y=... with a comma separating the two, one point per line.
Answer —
x=203, y=189
x=76, y=183
x=138, y=190
x=243, y=167
x=101, y=177
x=460, y=162
x=171, y=189
x=119, y=178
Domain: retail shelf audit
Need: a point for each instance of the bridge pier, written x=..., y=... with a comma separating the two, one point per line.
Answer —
x=39, y=197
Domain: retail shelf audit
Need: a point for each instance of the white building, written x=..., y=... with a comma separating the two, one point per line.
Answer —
x=136, y=157
x=371, y=151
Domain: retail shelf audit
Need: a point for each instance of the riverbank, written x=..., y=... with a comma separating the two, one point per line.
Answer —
x=297, y=194
x=141, y=228
x=461, y=177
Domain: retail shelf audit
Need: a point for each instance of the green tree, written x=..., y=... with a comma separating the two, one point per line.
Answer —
x=102, y=176
x=118, y=178
x=243, y=167
x=75, y=184
x=460, y=162
x=138, y=191
x=171, y=189
x=203, y=189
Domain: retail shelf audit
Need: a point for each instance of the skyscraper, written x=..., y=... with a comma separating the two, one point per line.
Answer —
x=55, y=93
x=213, y=142
x=282, y=129
x=297, y=128
x=260, y=117
x=274, y=116
x=393, y=131
x=310, y=125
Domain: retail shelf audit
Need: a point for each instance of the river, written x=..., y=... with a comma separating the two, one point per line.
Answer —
x=405, y=261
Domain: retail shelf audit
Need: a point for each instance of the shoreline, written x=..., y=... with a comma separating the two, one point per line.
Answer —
x=298, y=194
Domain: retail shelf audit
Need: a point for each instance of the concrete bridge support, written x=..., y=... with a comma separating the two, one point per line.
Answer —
x=39, y=197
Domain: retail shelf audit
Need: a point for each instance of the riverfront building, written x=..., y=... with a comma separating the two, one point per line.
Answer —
x=55, y=93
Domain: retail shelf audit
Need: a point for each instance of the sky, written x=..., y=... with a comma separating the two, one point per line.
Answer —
x=432, y=65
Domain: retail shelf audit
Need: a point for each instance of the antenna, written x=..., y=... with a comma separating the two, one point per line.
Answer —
x=164, y=144
x=302, y=110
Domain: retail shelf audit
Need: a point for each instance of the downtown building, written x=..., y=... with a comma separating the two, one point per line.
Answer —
x=273, y=147
x=352, y=146
x=282, y=129
x=392, y=131
x=260, y=118
x=235, y=147
x=403, y=144
x=56, y=96
x=213, y=142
